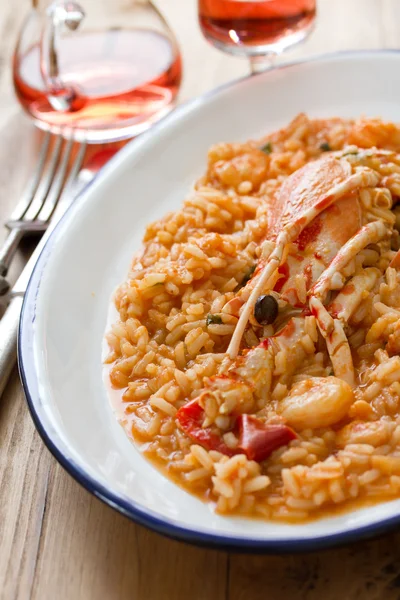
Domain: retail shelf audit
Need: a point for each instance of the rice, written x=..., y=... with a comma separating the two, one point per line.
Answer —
x=179, y=308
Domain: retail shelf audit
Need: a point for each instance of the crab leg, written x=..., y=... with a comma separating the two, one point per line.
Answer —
x=246, y=383
x=332, y=329
x=351, y=295
x=243, y=388
x=336, y=342
x=369, y=234
x=330, y=321
x=363, y=178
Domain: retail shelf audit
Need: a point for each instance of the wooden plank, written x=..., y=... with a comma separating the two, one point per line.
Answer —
x=362, y=571
x=103, y=555
x=24, y=467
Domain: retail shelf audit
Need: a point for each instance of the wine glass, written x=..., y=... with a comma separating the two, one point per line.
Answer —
x=99, y=71
x=257, y=29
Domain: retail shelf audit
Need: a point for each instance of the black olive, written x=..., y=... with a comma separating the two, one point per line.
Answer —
x=266, y=310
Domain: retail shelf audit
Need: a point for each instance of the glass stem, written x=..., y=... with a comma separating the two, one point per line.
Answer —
x=259, y=64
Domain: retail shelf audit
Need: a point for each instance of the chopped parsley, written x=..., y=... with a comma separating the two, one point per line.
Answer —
x=213, y=320
x=246, y=278
x=267, y=148
x=325, y=147
x=249, y=274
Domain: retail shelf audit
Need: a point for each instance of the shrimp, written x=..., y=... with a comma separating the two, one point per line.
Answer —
x=393, y=345
x=375, y=433
x=317, y=402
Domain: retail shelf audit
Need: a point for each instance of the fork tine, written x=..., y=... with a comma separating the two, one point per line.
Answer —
x=46, y=181
x=61, y=185
x=54, y=194
x=33, y=184
x=73, y=176
x=77, y=164
x=68, y=181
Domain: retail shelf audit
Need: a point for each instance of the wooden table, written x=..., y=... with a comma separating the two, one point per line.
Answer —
x=57, y=542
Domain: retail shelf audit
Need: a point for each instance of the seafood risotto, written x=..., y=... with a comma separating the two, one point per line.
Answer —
x=257, y=347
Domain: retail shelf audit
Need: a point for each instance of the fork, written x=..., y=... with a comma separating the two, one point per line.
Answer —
x=40, y=199
x=76, y=181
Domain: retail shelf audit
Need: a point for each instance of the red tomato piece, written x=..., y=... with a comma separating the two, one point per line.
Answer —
x=258, y=440
x=190, y=418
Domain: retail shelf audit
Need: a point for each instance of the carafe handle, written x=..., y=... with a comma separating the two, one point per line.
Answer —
x=60, y=15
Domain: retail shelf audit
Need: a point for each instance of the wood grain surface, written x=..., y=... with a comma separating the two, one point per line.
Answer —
x=57, y=542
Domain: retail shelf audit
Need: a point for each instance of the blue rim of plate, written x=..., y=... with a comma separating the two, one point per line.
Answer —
x=127, y=507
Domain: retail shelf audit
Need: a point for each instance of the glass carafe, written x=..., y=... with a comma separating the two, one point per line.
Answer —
x=99, y=71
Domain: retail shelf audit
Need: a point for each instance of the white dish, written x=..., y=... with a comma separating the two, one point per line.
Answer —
x=88, y=254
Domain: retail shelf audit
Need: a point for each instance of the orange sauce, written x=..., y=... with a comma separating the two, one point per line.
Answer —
x=201, y=491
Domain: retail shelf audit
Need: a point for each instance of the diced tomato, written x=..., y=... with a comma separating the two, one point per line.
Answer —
x=190, y=418
x=258, y=440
